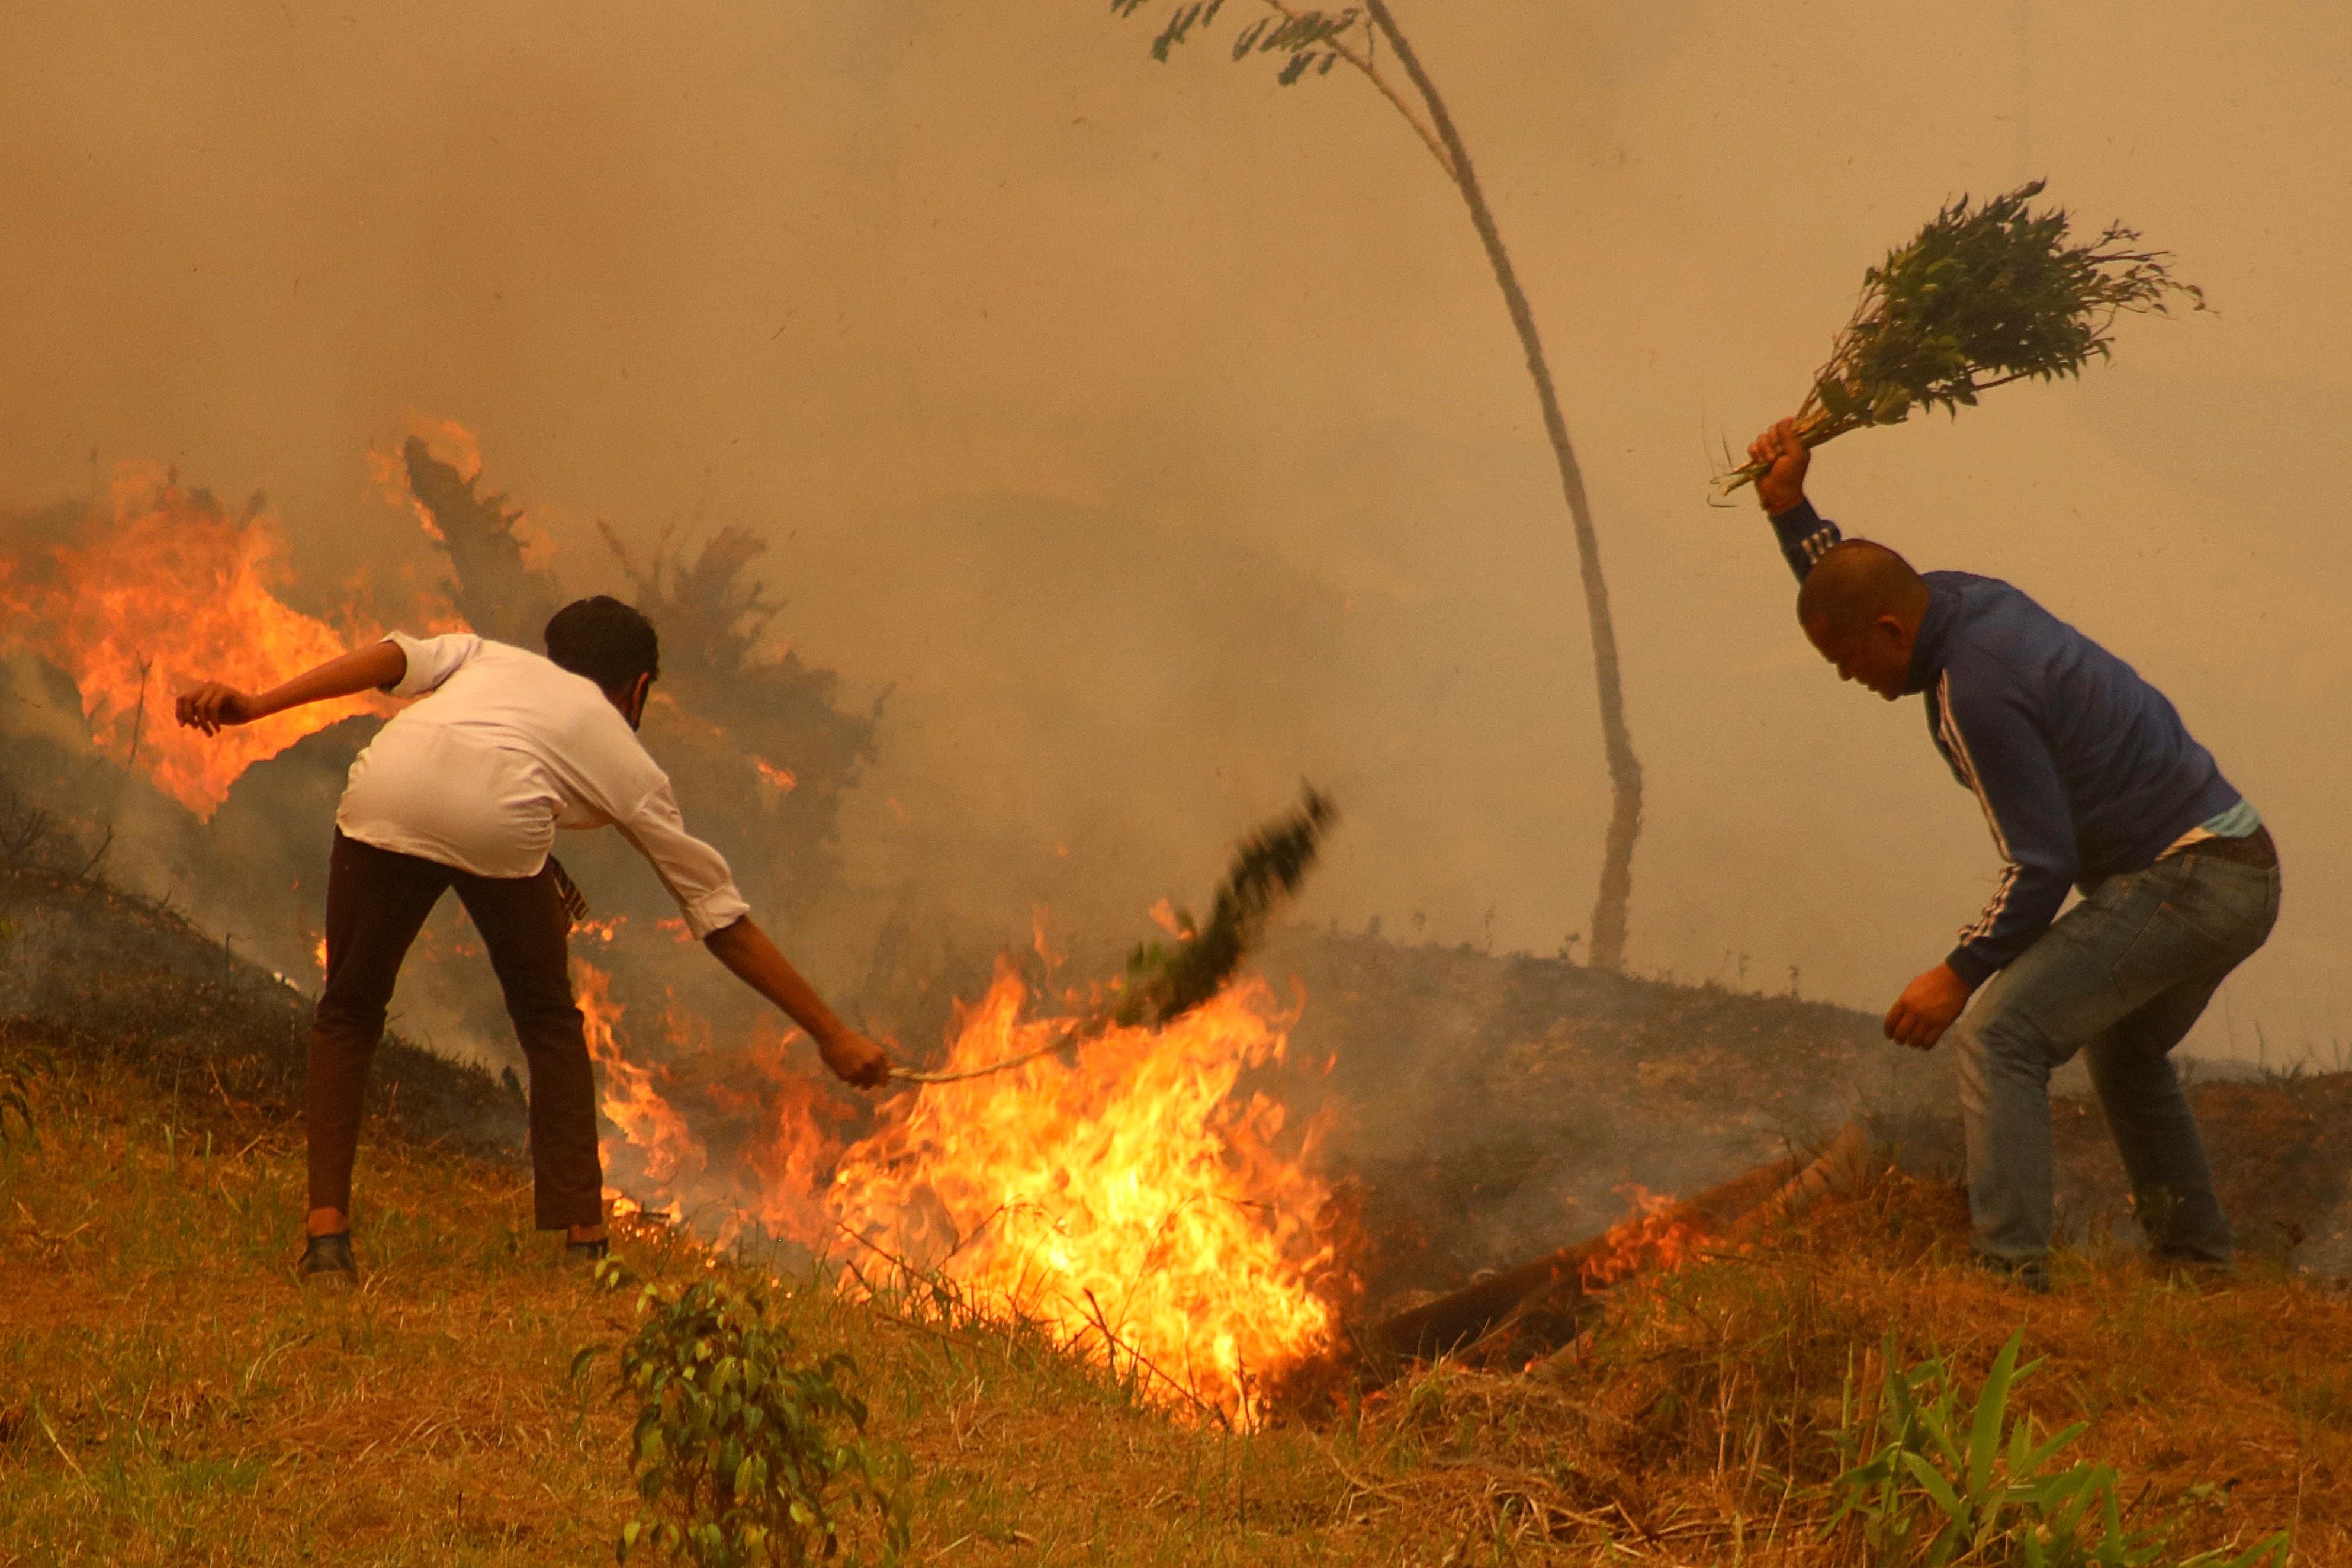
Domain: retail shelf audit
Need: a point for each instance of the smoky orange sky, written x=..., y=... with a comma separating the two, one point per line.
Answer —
x=1158, y=431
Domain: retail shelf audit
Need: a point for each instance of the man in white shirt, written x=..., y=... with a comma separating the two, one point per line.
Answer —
x=466, y=790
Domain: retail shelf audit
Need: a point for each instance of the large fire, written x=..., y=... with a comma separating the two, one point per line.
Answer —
x=1129, y=1199
x=1129, y=1195
x=1134, y=1199
x=159, y=591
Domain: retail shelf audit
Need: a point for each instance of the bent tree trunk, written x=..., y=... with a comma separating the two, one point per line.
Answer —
x=1608, y=908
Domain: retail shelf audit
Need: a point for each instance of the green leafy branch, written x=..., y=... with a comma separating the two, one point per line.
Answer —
x=1982, y=297
x=1164, y=982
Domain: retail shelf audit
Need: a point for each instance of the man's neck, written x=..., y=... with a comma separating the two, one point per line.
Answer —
x=1935, y=629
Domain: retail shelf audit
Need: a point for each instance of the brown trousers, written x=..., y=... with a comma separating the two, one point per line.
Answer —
x=377, y=901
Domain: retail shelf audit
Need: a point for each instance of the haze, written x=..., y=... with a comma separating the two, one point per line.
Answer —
x=1157, y=433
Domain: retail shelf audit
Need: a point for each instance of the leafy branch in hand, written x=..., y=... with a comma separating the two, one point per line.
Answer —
x=1982, y=297
x=1165, y=981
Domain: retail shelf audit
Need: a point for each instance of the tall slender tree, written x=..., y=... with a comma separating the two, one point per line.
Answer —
x=1311, y=43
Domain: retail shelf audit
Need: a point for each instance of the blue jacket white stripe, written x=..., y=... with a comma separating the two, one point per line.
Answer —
x=2084, y=771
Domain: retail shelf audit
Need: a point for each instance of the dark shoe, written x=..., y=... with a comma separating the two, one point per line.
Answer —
x=328, y=1256
x=2031, y=1273
x=587, y=1251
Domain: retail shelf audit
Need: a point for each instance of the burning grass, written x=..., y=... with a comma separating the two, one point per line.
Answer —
x=1130, y=1198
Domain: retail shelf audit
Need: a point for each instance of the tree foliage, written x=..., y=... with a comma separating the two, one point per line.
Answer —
x=1307, y=39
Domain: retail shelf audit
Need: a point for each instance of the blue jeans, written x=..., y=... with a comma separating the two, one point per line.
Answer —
x=2120, y=976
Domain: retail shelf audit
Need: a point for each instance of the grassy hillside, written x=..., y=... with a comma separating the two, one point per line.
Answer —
x=170, y=1394
x=173, y=1395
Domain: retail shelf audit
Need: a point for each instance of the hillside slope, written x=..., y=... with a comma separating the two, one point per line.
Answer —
x=169, y=1392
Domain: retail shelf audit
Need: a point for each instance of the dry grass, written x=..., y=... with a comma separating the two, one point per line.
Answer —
x=169, y=1394
x=1694, y=1424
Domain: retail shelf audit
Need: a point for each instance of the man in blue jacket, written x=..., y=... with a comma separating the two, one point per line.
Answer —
x=2087, y=779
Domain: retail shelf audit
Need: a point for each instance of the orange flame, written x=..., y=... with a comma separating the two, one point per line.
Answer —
x=784, y=780
x=1656, y=1236
x=1131, y=1200
x=1129, y=1196
x=163, y=591
x=669, y=1149
x=604, y=931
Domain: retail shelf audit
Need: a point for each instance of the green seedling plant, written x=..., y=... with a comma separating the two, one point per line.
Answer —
x=746, y=1450
x=1935, y=1478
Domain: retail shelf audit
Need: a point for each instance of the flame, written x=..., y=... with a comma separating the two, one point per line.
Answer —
x=1657, y=1236
x=163, y=590
x=668, y=1152
x=604, y=930
x=1130, y=1196
x=1131, y=1200
x=781, y=780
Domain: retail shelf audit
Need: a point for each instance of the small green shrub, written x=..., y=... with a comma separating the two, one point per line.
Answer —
x=1934, y=1478
x=745, y=1452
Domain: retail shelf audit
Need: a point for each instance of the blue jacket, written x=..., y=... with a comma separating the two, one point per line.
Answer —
x=2084, y=771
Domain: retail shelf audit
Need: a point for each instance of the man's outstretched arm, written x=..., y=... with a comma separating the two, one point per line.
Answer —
x=213, y=707
x=745, y=948
x=1805, y=535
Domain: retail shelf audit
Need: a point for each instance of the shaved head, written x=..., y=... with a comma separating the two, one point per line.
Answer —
x=1861, y=607
x=1855, y=583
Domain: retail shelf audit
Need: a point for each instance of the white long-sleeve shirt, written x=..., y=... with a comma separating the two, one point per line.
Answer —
x=508, y=748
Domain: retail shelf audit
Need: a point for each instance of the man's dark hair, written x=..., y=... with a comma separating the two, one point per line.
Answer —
x=606, y=640
x=1855, y=582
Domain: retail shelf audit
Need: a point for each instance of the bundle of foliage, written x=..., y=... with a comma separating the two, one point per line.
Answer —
x=1982, y=297
x=745, y=1451
x=1934, y=1478
x=1165, y=981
